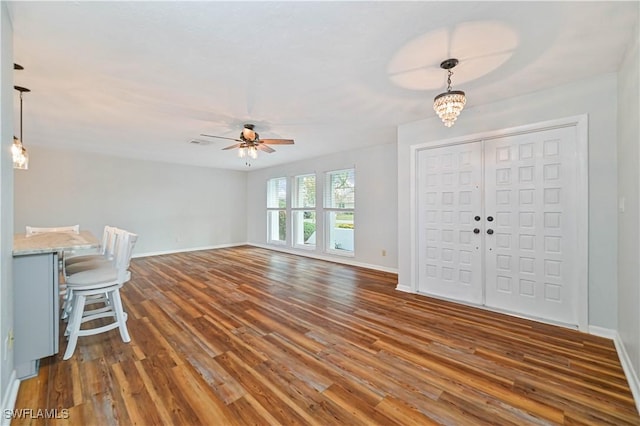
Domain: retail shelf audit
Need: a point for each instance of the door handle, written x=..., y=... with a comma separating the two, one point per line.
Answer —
x=477, y=218
x=490, y=231
x=490, y=218
x=476, y=231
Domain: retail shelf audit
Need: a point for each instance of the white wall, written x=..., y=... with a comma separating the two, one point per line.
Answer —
x=597, y=97
x=629, y=220
x=171, y=207
x=6, y=201
x=376, y=203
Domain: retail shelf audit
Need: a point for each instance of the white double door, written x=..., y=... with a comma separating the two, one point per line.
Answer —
x=497, y=224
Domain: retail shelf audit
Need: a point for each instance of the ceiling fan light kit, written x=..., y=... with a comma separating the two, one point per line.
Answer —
x=249, y=143
x=250, y=151
x=449, y=104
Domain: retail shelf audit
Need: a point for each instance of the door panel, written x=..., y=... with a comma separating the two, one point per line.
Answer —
x=531, y=256
x=449, y=199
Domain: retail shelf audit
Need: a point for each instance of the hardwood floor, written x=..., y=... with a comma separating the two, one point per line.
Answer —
x=251, y=336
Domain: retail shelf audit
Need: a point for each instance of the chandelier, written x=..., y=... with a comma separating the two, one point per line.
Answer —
x=18, y=151
x=449, y=104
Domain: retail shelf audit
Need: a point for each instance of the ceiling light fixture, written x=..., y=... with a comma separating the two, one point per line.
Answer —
x=18, y=151
x=449, y=104
x=249, y=143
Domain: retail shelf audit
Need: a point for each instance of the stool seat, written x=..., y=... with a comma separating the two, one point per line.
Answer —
x=95, y=277
x=88, y=265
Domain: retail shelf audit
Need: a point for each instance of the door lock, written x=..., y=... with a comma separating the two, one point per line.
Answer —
x=490, y=218
x=476, y=231
x=477, y=218
x=490, y=231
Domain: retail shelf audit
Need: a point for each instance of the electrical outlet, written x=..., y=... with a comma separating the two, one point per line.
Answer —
x=384, y=252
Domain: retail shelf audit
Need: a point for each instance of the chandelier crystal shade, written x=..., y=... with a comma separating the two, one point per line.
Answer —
x=449, y=104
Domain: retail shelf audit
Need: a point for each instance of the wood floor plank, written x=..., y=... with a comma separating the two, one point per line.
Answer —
x=208, y=408
x=244, y=335
x=287, y=411
x=163, y=412
x=248, y=411
x=403, y=413
x=358, y=404
x=134, y=395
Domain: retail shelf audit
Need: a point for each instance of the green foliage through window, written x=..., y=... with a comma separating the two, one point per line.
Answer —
x=282, y=226
x=309, y=229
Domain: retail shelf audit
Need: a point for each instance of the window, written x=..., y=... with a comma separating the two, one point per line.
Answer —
x=339, y=206
x=277, y=210
x=303, y=211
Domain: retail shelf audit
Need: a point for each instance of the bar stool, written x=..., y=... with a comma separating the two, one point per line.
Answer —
x=103, y=282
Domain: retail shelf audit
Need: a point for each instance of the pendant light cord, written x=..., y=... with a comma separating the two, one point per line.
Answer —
x=20, y=117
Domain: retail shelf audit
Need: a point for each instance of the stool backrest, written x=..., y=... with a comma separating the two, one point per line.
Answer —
x=109, y=242
x=126, y=241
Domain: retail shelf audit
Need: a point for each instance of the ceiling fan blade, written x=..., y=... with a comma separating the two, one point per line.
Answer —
x=277, y=141
x=221, y=137
x=237, y=145
x=263, y=147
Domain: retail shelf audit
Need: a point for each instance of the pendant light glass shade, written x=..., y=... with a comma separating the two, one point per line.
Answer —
x=253, y=152
x=18, y=151
x=20, y=155
x=449, y=104
x=249, y=151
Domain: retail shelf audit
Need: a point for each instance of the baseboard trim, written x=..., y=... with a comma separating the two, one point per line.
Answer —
x=625, y=361
x=9, y=400
x=405, y=288
x=334, y=259
x=603, y=332
x=629, y=371
x=186, y=250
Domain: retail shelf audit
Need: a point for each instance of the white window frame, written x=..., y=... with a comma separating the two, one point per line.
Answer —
x=329, y=212
x=298, y=208
x=275, y=225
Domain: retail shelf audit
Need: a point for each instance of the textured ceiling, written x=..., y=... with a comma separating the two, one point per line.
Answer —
x=142, y=79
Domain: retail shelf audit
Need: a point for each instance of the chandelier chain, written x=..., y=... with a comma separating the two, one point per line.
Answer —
x=450, y=73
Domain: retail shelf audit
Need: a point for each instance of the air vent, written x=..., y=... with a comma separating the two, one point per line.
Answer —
x=199, y=142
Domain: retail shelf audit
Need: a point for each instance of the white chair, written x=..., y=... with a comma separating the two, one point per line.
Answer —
x=103, y=283
x=32, y=230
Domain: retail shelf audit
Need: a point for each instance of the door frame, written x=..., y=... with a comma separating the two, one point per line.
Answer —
x=581, y=125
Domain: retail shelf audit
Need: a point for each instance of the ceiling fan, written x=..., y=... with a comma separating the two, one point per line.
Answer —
x=249, y=142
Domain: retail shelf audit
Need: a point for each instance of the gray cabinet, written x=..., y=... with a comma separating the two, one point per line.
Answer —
x=36, y=318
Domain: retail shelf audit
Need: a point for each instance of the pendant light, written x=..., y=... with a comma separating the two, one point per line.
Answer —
x=449, y=104
x=19, y=152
